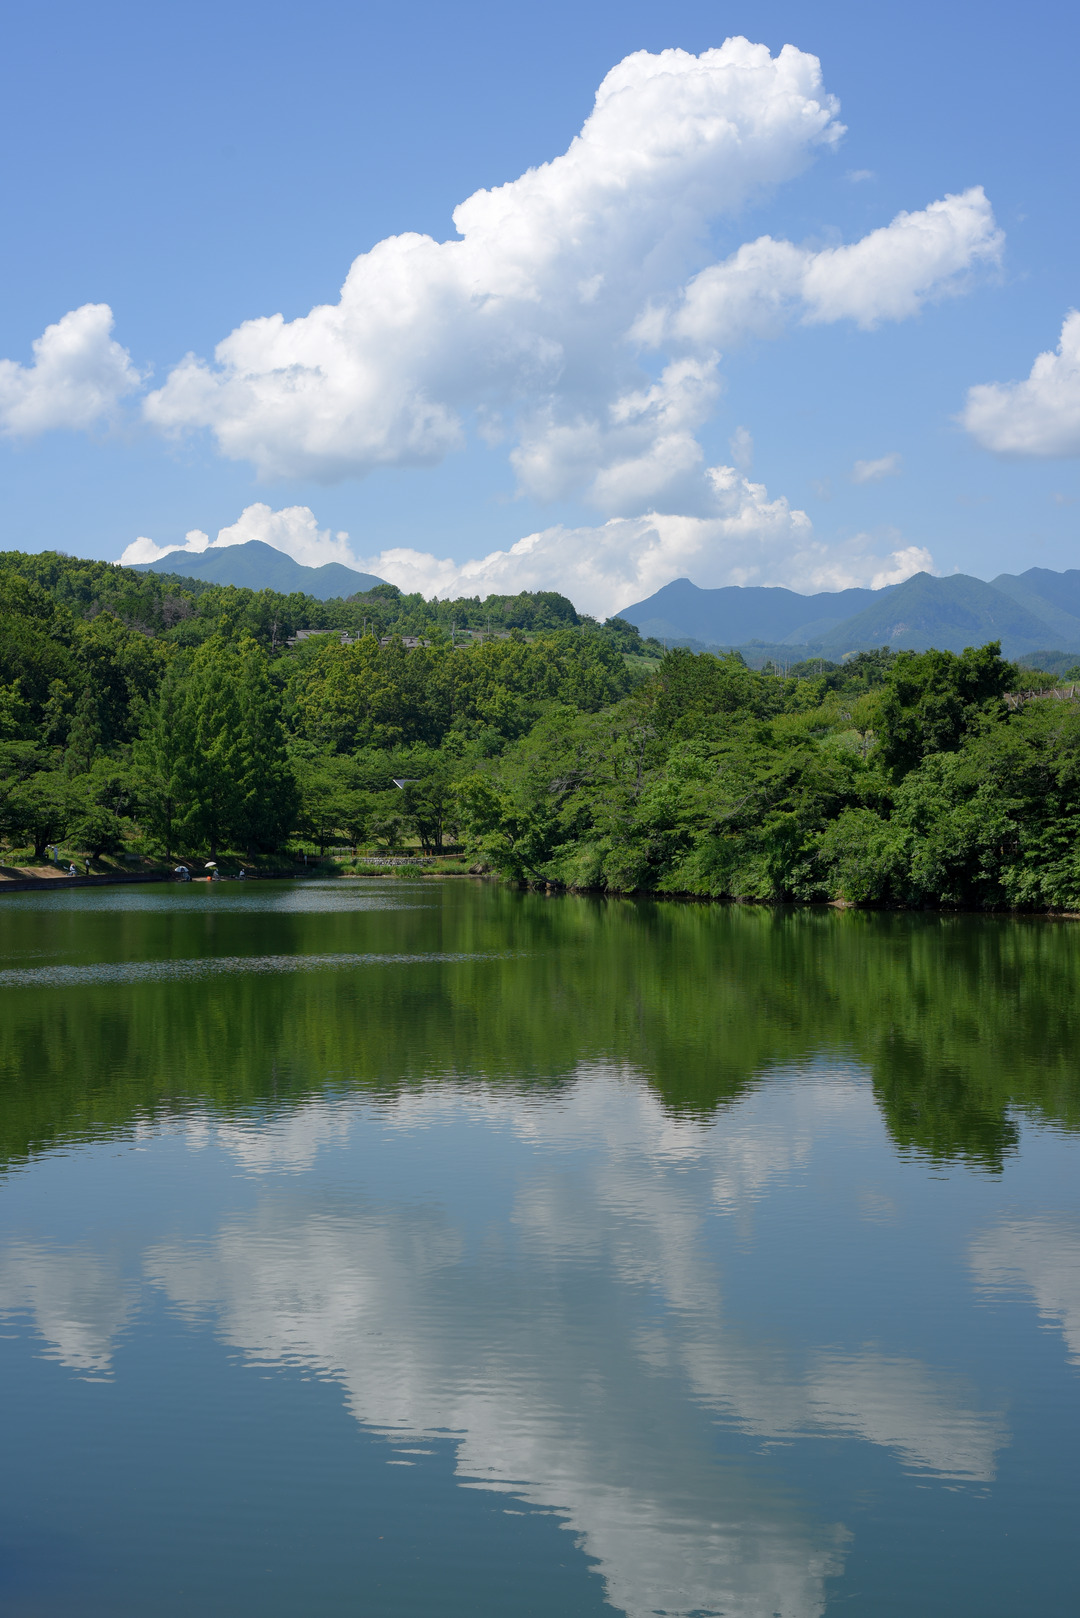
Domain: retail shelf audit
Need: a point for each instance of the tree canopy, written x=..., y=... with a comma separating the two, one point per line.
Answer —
x=165, y=713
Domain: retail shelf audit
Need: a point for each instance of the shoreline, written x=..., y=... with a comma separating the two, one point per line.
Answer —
x=46, y=884
x=41, y=884
x=28, y=884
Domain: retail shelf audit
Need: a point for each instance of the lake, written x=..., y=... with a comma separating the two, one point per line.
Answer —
x=417, y=1247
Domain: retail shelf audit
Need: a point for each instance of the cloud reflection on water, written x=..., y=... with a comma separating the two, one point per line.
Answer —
x=568, y=1344
x=547, y=1356
x=79, y=1301
x=1040, y=1255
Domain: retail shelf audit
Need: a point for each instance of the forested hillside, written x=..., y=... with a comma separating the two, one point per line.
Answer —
x=152, y=712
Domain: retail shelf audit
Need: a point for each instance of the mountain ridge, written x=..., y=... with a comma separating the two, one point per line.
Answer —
x=254, y=565
x=1027, y=612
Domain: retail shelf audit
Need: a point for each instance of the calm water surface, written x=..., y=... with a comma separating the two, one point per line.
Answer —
x=428, y=1248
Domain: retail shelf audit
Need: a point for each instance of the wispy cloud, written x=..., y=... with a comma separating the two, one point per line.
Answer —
x=741, y=445
x=886, y=466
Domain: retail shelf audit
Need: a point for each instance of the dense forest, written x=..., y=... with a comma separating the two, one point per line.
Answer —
x=152, y=712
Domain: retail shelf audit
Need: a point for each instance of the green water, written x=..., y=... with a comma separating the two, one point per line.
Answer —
x=430, y=1248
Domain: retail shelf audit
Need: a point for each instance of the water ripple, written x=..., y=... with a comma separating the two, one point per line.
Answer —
x=66, y=977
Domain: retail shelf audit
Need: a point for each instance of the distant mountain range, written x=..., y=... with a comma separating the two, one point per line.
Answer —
x=257, y=566
x=1027, y=612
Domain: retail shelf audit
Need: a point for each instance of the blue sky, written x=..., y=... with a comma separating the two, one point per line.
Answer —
x=648, y=404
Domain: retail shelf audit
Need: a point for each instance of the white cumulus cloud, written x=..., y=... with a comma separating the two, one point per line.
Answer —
x=749, y=539
x=888, y=275
x=526, y=314
x=79, y=375
x=147, y=550
x=1039, y=416
x=576, y=320
x=886, y=466
x=529, y=328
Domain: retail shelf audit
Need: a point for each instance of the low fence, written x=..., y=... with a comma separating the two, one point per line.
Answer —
x=1057, y=693
x=45, y=884
x=395, y=859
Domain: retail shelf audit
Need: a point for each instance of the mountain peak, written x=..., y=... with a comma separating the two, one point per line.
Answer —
x=254, y=565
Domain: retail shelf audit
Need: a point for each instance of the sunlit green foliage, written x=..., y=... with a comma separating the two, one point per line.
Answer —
x=555, y=749
x=135, y=705
x=711, y=779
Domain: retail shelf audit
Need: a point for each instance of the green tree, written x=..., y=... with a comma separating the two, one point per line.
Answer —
x=266, y=790
x=431, y=805
x=162, y=760
x=210, y=772
x=933, y=701
x=40, y=808
x=103, y=801
x=212, y=762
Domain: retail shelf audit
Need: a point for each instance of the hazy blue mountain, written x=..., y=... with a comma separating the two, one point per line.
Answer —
x=1051, y=662
x=256, y=566
x=1053, y=596
x=951, y=613
x=1027, y=613
x=738, y=613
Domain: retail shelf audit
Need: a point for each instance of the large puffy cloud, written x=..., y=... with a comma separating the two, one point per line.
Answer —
x=888, y=275
x=527, y=313
x=576, y=320
x=1039, y=416
x=79, y=375
x=643, y=453
x=529, y=322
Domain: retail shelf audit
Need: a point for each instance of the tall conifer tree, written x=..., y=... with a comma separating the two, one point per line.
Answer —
x=268, y=798
x=161, y=756
x=214, y=786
